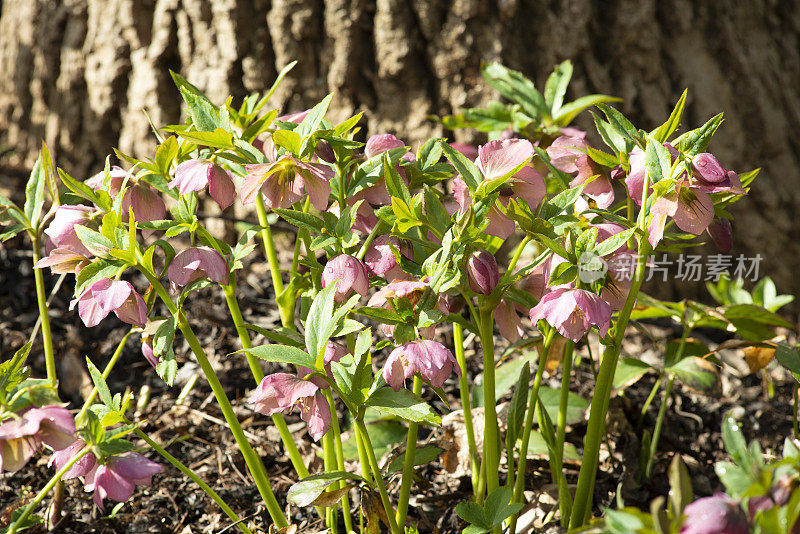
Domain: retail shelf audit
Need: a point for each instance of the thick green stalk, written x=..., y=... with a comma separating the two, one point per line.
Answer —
x=565, y=499
x=244, y=337
x=599, y=407
x=378, y=477
x=491, y=441
x=253, y=461
x=519, y=486
x=107, y=371
x=662, y=411
x=362, y=455
x=41, y=301
x=199, y=481
x=45, y=490
x=408, y=462
x=287, y=316
x=466, y=403
x=329, y=458
x=257, y=469
x=339, y=453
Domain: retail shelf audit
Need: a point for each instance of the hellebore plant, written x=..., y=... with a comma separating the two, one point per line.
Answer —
x=416, y=233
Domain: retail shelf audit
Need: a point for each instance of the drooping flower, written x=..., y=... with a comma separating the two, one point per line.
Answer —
x=349, y=275
x=117, y=478
x=61, y=231
x=196, y=263
x=105, y=296
x=197, y=174
x=21, y=435
x=568, y=154
x=286, y=180
x=432, y=360
x=146, y=203
x=691, y=209
x=711, y=177
x=334, y=352
x=63, y=261
x=409, y=290
x=280, y=392
x=482, y=272
x=495, y=160
x=718, y=514
x=572, y=312
x=508, y=321
x=82, y=467
x=380, y=259
x=721, y=233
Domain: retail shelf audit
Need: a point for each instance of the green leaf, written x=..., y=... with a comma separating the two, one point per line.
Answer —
x=403, y=404
x=680, y=493
x=95, y=271
x=517, y=407
x=384, y=436
x=306, y=491
x=663, y=132
x=788, y=357
x=205, y=115
x=498, y=506
x=288, y=139
x=94, y=241
x=698, y=374
x=696, y=141
x=469, y=172
x=314, y=117
x=621, y=124
x=629, y=371
x=301, y=219
x=218, y=138
x=569, y=111
x=34, y=192
x=556, y=86
x=100, y=384
x=422, y=456
x=283, y=354
x=283, y=336
x=284, y=71
x=320, y=324
x=516, y=87
x=602, y=158
x=612, y=243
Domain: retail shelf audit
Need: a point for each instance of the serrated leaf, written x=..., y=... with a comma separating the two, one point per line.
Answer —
x=403, y=404
x=696, y=141
x=663, y=132
x=100, y=384
x=569, y=111
x=283, y=354
x=34, y=192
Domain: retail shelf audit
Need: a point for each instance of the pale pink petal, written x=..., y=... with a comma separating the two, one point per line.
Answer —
x=695, y=211
x=191, y=175
x=220, y=186
x=378, y=144
x=500, y=157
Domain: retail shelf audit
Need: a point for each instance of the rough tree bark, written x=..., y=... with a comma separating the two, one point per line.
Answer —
x=79, y=73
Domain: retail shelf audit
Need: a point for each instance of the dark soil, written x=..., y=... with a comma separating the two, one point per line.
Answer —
x=195, y=433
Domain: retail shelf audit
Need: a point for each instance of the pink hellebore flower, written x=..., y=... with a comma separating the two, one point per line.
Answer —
x=718, y=514
x=721, y=233
x=711, y=177
x=147, y=204
x=196, y=263
x=495, y=160
x=482, y=272
x=348, y=273
x=508, y=321
x=572, y=312
x=280, y=392
x=197, y=174
x=691, y=208
x=411, y=290
x=431, y=359
x=286, y=180
x=635, y=180
x=63, y=261
x=377, y=195
x=105, y=296
x=117, y=478
x=380, y=259
x=20, y=436
x=80, y=468
x=334, y=352
x=567, y=154
x=61, y=231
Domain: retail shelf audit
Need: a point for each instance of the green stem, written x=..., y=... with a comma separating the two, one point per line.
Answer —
x=41, y=301
x=253, y=461
x=199, y=481
x=287, y=316
x=564, y=501
x=662, y=411
x=337, y=443
x=376, y=472
x=362, y=455
x=329, y=457
x=106, y=372
x=491, y=442
x=244, y=337
x=408, y=463
x=519, y=485
x=649, y=400
x=517, y=254
x=795, y=425
x=600, y=399
x=45, y=490
x=466, y=402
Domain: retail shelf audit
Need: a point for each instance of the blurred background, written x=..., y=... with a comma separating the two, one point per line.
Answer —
x=85, y=74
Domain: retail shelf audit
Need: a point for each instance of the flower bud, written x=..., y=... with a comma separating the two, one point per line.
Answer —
x=722, y=234
x=718, y=514
x=348, y=273
x=325, y=152
x=708, y=168
x=482, y=272
x=198, y=262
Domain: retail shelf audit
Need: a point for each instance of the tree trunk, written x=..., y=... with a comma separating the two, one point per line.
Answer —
x=82, y=73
